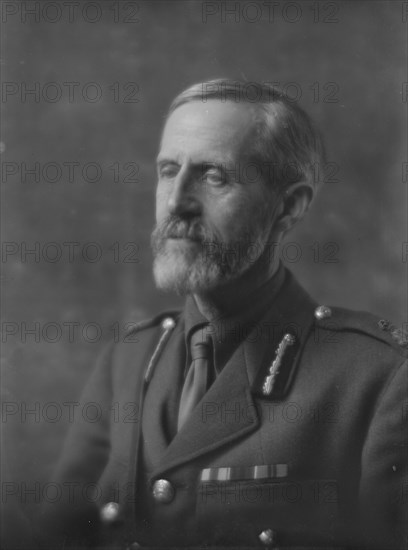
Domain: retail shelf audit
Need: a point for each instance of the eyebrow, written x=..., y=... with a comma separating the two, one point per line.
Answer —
x=163, y=160
x=204, y=164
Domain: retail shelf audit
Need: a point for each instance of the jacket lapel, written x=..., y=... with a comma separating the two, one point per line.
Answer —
x=217, y=419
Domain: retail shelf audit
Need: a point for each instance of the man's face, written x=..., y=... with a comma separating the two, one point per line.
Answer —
x=214, y=211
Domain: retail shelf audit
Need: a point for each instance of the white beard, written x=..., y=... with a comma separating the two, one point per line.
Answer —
x=185, y=271
x=201, y=266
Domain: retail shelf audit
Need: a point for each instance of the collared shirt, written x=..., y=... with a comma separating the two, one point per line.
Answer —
x=227, y=332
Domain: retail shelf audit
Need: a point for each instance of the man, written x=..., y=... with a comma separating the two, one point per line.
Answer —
x=255, y=417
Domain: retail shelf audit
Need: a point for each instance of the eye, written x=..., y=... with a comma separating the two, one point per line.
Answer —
x=168, y=171
x=213, y=176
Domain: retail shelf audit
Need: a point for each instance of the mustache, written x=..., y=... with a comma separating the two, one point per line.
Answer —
x=175, y=227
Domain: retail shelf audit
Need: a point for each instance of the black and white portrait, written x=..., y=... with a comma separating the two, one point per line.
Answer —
x=204, y=292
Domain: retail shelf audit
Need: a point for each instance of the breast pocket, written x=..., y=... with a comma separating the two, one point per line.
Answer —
x=296, y=511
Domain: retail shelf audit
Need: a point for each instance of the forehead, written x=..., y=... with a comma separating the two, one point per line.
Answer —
x=213, y=129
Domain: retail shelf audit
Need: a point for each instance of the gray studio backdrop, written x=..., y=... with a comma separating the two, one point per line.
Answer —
x=85, y=91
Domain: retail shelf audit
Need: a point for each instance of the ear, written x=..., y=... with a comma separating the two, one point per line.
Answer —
x=295, y=203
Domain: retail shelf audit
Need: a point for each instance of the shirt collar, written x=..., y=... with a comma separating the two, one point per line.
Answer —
x=227, y=332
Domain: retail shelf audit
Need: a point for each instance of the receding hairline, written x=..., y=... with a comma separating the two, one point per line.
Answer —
x=261, y=112
x=272, y=105
x=260, y=109
x=256, y=115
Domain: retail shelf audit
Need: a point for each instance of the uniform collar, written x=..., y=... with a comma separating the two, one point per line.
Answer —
x=228, y=331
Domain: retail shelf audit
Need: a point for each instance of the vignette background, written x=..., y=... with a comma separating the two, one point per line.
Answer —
x=358, y=47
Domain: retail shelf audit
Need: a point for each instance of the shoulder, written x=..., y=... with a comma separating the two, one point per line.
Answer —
x=147, y=332
x=138, y=336
x=363, y=329
x=134, y=350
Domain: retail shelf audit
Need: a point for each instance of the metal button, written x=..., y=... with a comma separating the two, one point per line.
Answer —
x=163, y=491
x=267, y=537
x=289, y=338
x=110, y=512
x=168, y=323
x=384, y=324
x=322, y=312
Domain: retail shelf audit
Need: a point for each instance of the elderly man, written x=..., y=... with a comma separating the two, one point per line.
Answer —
x=255, y=417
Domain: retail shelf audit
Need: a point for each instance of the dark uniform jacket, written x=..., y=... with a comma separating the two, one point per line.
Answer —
x=299, y=442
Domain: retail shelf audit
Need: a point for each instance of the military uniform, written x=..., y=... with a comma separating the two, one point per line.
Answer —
x=299, y=442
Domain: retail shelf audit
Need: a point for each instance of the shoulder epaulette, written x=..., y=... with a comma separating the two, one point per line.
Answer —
x=340, y=319
x=165, y=318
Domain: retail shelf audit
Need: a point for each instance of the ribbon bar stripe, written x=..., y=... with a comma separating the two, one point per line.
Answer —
x=263, y=471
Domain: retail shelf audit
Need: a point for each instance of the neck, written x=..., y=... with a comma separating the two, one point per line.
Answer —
x=236, y=295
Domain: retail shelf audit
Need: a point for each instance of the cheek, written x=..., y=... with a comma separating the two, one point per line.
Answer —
x=161, y=204
x=236, y=216
x=228, y=215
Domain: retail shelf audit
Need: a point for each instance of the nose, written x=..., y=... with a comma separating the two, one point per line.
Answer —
x=183, y=197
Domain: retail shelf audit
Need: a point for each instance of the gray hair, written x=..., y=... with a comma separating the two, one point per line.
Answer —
x=288, y=146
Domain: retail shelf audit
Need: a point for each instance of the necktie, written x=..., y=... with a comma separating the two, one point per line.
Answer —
x=198, y=375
